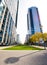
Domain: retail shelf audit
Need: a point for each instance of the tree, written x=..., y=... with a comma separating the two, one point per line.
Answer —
x=36, y=37
x=45, y=36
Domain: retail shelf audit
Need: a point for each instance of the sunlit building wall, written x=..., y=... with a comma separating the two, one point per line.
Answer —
x=13, y=8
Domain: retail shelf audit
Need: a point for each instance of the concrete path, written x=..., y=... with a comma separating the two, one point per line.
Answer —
x=23, y=57
x=42, y=47
x=2, y=47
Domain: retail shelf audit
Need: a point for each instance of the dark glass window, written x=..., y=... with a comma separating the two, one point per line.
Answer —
x=2, y=27
x=2, y=9
x=5, y=16
x=4, y=22
x=1, y=32
x=5, y=37
x=0, y=39
x=0, y=17
x=32, y=24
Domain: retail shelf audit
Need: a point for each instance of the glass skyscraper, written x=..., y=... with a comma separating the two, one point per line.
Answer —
x=33, y=21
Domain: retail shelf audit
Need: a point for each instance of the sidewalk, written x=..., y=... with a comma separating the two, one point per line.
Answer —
x=39, y=46
x=2, y=47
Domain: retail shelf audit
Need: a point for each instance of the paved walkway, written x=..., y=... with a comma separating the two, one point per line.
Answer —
x=23, y=57
x=40, y=47
x=2, y=47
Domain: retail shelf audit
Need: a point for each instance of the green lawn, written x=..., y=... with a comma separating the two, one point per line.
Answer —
x=22, y=48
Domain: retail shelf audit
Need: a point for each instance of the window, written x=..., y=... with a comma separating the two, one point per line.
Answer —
x=1, y=10
x=5, y=16
x=32, y=24
x=1, y=32
x=4, y=22
x=2, y=27
x=5, y=37
x=0, y=18
x=0, y=39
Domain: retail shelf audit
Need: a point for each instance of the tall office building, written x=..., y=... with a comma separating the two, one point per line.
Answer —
x=13, y=8
x=6, y=26
x=33, y=21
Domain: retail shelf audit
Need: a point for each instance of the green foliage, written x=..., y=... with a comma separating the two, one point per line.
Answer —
x=45, y=36
x=27, y=43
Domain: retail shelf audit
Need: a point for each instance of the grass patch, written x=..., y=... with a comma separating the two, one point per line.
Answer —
x=22, y=47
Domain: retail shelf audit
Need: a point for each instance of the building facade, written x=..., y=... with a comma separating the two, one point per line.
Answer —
x=6, y=26
x=13, y=8
x=33, y=21
x=27, y=38
x=18, y=38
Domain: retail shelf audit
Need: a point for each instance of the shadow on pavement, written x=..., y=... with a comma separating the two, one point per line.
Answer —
x=11, y=60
